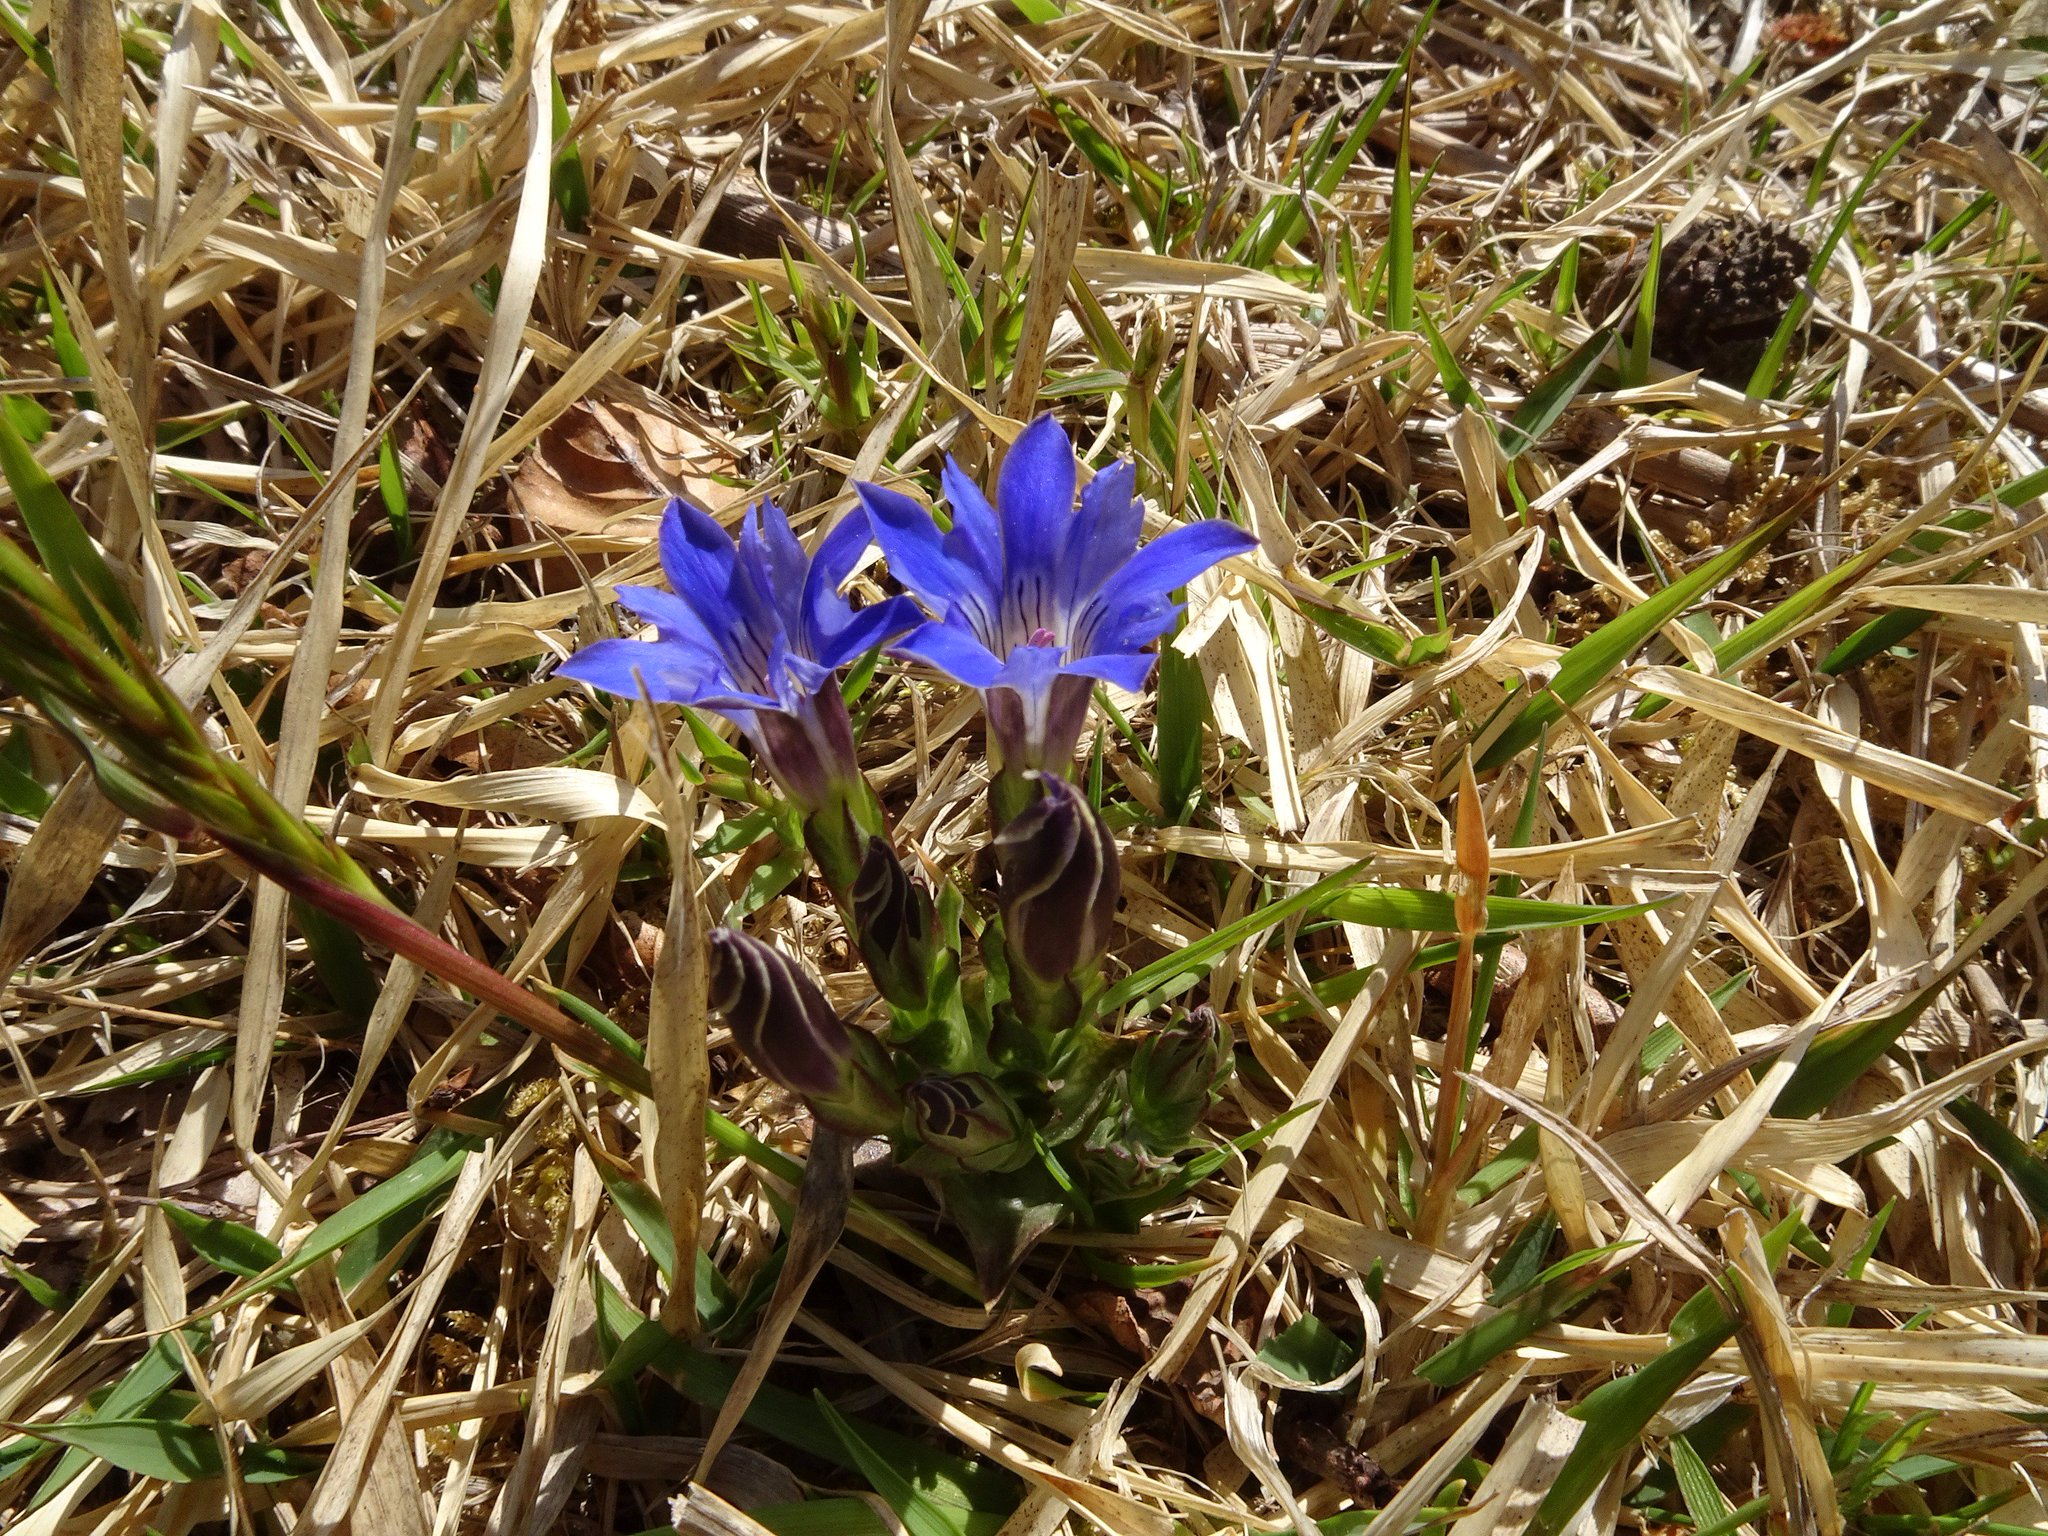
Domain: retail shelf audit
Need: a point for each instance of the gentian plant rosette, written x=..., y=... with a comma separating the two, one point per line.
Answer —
x=754, y=630
x=1034, y=600
x=996, y=1082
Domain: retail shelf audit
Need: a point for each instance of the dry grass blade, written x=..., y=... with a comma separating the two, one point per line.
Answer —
x=356, y=348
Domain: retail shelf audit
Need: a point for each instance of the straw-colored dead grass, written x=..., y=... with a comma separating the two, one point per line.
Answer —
x=371, y=388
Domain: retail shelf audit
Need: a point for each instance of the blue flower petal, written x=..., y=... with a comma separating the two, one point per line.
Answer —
x=977, y=537
x=916, y=555
x=953, y=648
x=671, y=675
x=1035, y=494
x=1031, y=670
x=1102, y=535
x=1129, y=627
x=1174, y=559
x=876, y=624
x=698, y=557
x=786, y=559
x=1136, y=595
x=838, y=552
x=1128, y=670
x=677, y=620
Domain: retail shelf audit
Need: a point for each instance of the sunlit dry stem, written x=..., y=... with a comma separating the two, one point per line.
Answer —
x=1474, y=863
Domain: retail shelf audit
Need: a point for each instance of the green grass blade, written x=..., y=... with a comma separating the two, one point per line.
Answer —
x=67, y=550
x=1770, y=368
x=432, y=1169
x=1392, y=906
x=1401, y=238
x=2029, y=1173
x=1635, y=357
x=1593, y=659
x=1615, y=1412
x=1549, y=400
x=1197, y=957
x=226, y=1245
x=1181, y=713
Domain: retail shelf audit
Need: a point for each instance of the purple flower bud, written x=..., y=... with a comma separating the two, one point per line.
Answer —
x=1174, y=1077
x=779, y=1017
x=971, y=1120
x=1059, y=880
x=892, y=922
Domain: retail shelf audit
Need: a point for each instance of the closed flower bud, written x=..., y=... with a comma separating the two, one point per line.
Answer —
x=780, y=1019
x=892, y=923
x=1059, y=880
x=1175, y=1075
x=971, y=1120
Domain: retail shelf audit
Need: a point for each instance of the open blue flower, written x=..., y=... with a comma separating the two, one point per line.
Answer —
x=754, y=631
x=1034, y=602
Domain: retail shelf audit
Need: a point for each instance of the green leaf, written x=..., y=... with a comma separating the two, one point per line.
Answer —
x=28, y=416
x=170, y=1451
x=920, y=1515
x=1515, y=1159
x=819, y=1517
x=129, y=1397
x=1838, y=1057
x=1382, y=642
x=21, y=793
x=391, y=487
x=739, y=832
x=1198, y=957
x=163, y=1449
x=1001, y=1215
x=63, y=340
x=39, y=1290
x=1615, y=1412
x=1555, y=1294
x=771, y=877
x=1284, y=219
x=716, y=754
x=1310, y=1351
x=402, y=1198
x=1549, y=400
x=1126, y=1214
x=571, y=188
x=599, y=1022
x=1457, y=387
x=642, y=1210
x=1593, y=659
x=1134, y=1276
x=1635, y=361
x=1770, y=367
x=1392, y=906
x=1181, y=713
x=707, y=1379
x=340, y=961
x=1401, y=237
x=1704, y=1500
x=1874, y=639
x=226, y=1245
x=67, y=551
x=1996, y=1140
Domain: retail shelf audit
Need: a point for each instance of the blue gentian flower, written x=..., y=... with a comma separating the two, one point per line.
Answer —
x=1034, y=602
x=754, y=632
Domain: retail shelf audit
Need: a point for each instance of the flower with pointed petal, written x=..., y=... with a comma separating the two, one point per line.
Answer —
x=1036, y=602
x=754, y=632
